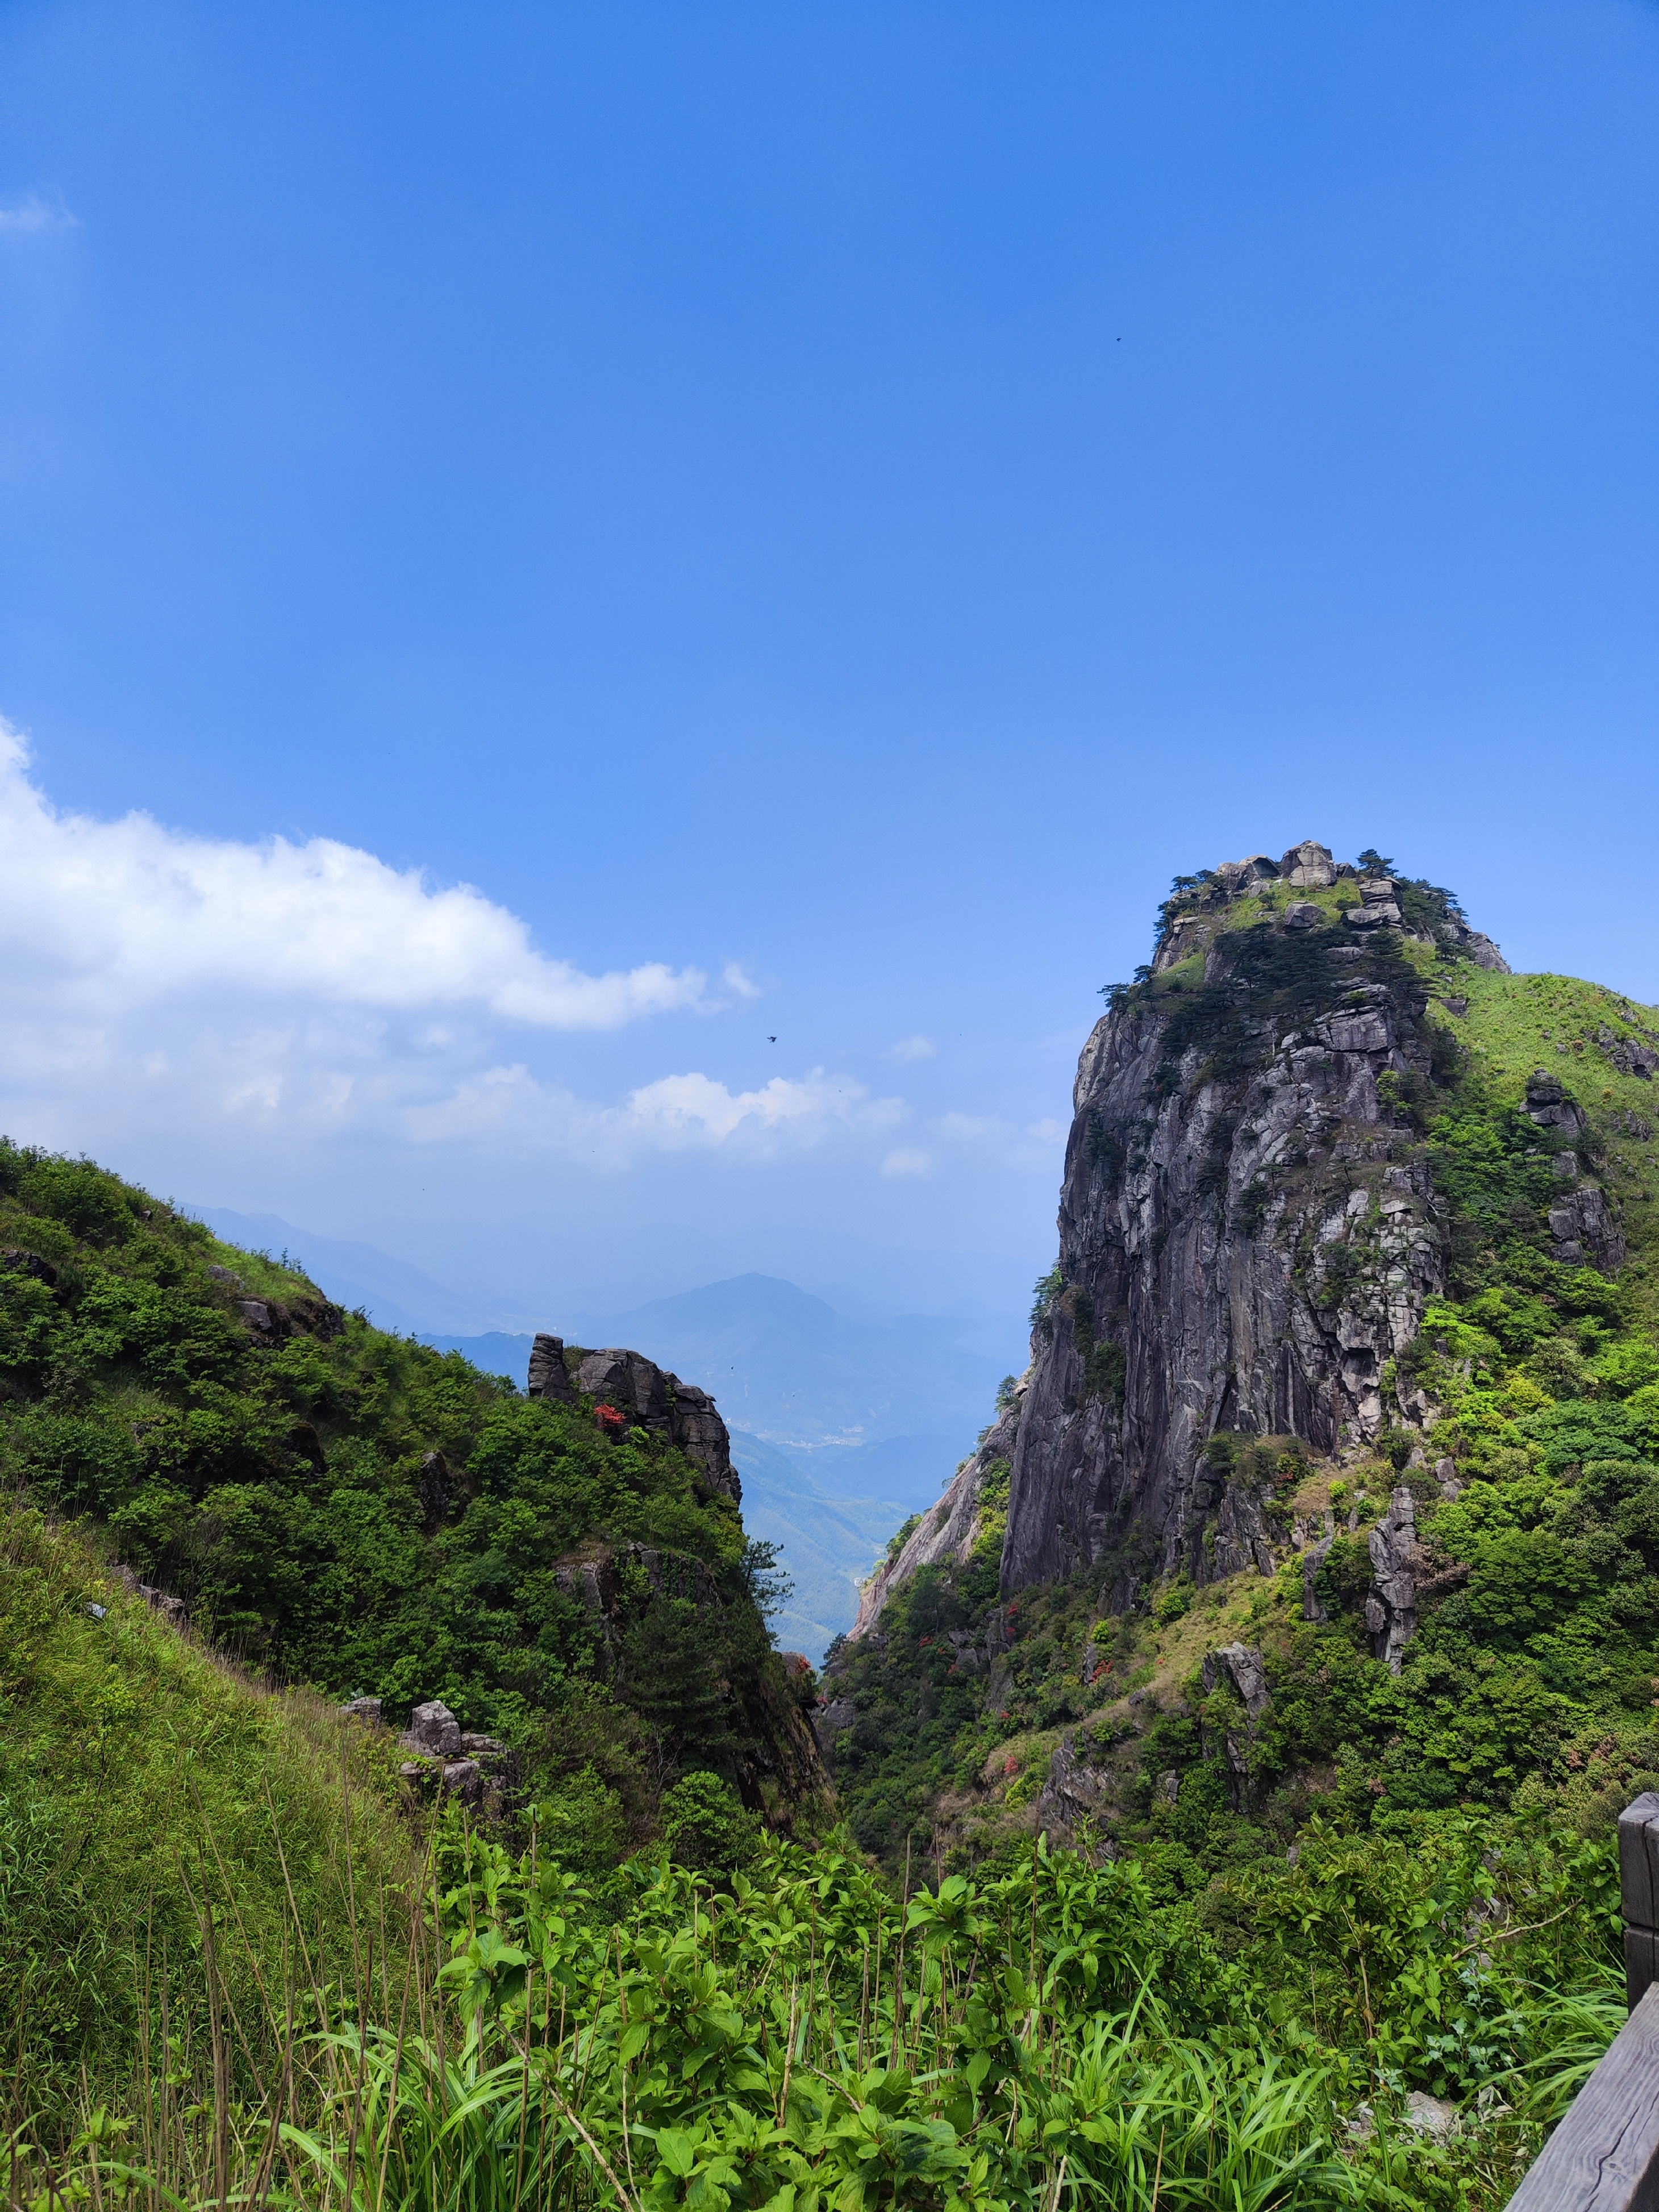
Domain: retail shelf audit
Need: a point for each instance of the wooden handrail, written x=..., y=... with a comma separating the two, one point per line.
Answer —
x=1604, y=2156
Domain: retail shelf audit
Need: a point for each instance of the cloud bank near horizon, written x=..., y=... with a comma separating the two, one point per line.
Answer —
x=259, y=1001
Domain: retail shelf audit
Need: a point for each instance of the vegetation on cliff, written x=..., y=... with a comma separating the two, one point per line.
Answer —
x=351, y=1510
x=1193, y=1875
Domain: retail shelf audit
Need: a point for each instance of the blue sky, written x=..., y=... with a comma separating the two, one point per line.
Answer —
x=839, y=502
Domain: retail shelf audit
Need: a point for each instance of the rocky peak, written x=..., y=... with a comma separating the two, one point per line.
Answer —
x=1249, y=1234
x=648, y=1397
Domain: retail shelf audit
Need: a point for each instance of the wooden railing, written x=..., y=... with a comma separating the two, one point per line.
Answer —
x=1604, y=2157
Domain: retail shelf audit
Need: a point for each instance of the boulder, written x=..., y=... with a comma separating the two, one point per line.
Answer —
x=363, y=1708
x=433, y=1731
x=1238, y=878
x=1303, y=914
x=1430, y=2116
x=463, y=1778
x=1309, y=866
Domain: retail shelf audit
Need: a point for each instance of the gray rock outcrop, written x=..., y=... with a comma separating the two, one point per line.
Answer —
x=1309, y=866
x=1249, y=1235
x=1582, y=1221
x=433, y=1731
x=649, y=1395
x=1074, y=1792
x=1241, y=1669
x=1391, y=1609
x=1243, y=1229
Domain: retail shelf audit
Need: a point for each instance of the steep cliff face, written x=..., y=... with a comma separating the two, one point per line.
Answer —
x=1247, y=1230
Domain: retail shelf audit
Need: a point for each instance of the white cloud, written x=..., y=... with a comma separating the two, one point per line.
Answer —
x=1047, y=1132
x=120, y=914
x=253, y=1002
x=912, y=1048
x=676, y=1113
x=908, y=1163
x=33, y=212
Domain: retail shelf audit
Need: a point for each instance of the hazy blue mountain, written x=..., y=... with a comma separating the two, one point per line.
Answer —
x=840, y=1428
x=828, y=1545
x=787, y=1367
x=394, y=1294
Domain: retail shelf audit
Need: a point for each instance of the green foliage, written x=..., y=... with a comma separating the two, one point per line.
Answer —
x=359, y=1512
x=705, y=1825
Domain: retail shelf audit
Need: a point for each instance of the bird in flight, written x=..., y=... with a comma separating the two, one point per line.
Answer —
x=771, y=1040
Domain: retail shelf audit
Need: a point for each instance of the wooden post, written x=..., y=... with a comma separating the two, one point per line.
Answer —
x=1604, y=2156
x=1638, y=1887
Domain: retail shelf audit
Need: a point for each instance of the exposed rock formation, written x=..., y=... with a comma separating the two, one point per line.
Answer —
x=1582, y=1222
x=647, y=1394
x=946, y=1530
x=1391, y=1609
x=1240, y=1668
x=1248, y=1235
x=1074, y=1792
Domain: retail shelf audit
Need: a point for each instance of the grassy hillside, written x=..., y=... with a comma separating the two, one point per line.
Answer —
x=167, y=1825
x=355, y=1512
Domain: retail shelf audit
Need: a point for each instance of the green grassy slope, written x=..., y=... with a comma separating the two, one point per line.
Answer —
x=149, y=1791
x=353, y=1510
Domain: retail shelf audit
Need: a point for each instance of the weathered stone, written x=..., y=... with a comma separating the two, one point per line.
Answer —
x=1072, y=1793
x=434, y=1730
x=1430, y=2116
x=946, y=1530
x=228, y=1275
x=1626, y=1053
x=1309, y=866
x=1217, y=1236
x=363, y=1708
x=1303, y=914
x=1241, y=1666
x=172, y=1609
x=1483, y=952
x=1585, y=1228
x=463, y=1778
x=1239, y=877
x=647, y=1395
x=549, y=1377
x=1391, y=1609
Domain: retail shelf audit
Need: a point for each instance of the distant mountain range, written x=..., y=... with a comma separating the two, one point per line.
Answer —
x=840, y=1428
